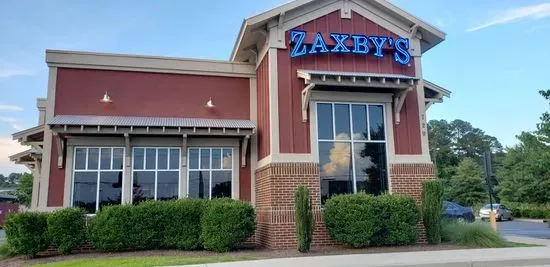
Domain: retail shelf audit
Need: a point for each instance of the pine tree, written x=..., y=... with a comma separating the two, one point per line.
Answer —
x=467, y=186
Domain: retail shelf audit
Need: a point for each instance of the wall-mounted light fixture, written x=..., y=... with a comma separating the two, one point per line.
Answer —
x=210, y=103
x=106, y=98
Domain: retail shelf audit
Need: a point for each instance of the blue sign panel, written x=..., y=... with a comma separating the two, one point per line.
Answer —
x=360, y=45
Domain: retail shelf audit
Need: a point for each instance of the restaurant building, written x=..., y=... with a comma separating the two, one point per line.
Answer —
x=325, y=93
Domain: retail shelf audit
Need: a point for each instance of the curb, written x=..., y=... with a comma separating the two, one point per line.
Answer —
x=529, y=220
x=495, y=263
x=474, y=263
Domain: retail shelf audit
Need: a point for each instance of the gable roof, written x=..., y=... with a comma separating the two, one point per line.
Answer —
x=431, y=36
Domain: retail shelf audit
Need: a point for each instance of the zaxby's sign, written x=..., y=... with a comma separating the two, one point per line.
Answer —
x=361, y=44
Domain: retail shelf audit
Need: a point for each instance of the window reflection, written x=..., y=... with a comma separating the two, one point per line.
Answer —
x=344, y=172
x=336, y=169
x=97, y=168
x=212, y=177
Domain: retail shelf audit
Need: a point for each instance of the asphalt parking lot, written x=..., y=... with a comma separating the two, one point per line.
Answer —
x=523, y=228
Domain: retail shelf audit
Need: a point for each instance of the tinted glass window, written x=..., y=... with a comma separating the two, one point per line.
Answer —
x=376, y=122
x=342, y=121
x=324, y=121
x=355, y=158
x=167, y=185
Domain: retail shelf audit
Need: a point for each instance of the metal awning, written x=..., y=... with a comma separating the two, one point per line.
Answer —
x=399, y=85
x=87, y=124
x=74, y=125
x=434, y=93
x=30, y=158
x=31, y=136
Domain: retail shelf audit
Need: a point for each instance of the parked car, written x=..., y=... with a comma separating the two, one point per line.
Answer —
x=453, y=211
x=502, y=213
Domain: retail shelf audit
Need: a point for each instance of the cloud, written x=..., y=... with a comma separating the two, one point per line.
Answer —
x=8, y=119
x=10, y=108
x=10, y=147
x=7, y=72
x=515, y=14
x=13, y=122
x=439, y=23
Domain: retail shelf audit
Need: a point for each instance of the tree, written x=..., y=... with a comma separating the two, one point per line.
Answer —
x=23, y=191
x=467, y=187
x=452, y=142
x=525, y=174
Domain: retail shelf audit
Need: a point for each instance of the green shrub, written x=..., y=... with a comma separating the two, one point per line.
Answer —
x=67, y=229
x=226, y=223
x=111, y=228
x=183, y=224
x=148, y=225
x=27, y=233
x=304, y=219
x=351, y=219
x=432, y=197
x=398, y=217
x=361, y=220
x=474, y=235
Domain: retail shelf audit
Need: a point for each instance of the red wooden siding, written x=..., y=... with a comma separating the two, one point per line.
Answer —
x=151, y=94
x=407, y=132
x=56, y=186
x=293, y=133
x=262, y=78
x=245, y=189
x=146, y=94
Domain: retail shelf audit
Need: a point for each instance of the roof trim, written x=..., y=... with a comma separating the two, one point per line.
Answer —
x=437, y=35
x=126, y=62
x=27, y=132
x=436, y=88
x=357, y=79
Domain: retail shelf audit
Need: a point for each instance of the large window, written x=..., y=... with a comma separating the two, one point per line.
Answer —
x=210, y=172
x=155, y=174
x=97, y=177
x=352, y=148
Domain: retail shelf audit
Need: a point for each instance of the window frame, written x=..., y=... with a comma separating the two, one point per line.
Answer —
x=351, y=141
x=210, y=170
x=98, y=170
x=156, y=169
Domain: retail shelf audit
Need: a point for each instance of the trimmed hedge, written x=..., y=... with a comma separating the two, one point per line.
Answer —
x=149, y=225
x=531, y=211
x=226, y=223
x=27, y=233
x=361, y=220
x=304, y=219
x=183, y=224
x=67, y=229
x=432, y=198
x=398, y=217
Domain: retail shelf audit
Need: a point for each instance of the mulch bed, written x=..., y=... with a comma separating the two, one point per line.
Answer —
x=253, y=252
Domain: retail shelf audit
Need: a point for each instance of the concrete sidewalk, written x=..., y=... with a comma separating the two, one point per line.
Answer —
x=524, y=256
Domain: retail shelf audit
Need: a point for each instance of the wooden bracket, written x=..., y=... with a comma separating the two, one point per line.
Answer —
x=128, y=153
x=244, y=150
x=184, y=150
x=306, y=95
x=398, y=102
x=60, y=144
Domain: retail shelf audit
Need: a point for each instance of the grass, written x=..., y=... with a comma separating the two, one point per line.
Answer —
x=474, y=235
x=144, y=261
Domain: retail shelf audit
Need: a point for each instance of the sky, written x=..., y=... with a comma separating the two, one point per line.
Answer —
x=494, y=59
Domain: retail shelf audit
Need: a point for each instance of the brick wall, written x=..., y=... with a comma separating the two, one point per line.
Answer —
x=407, y=178
x=276, y=184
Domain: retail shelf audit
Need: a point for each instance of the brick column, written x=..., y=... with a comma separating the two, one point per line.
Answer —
x=276, y=185
x=407, y=178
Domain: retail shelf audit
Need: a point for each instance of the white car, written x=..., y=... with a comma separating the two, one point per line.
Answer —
x=501, y=213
